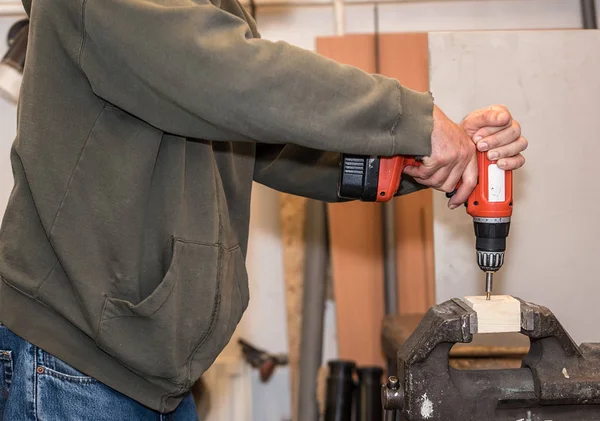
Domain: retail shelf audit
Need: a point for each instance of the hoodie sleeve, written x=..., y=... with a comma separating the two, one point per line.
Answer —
x=307, y=172
x=192, y=69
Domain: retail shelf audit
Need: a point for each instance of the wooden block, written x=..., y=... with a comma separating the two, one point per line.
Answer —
x=502, y=313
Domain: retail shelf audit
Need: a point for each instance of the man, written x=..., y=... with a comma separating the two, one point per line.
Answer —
x=141, y=127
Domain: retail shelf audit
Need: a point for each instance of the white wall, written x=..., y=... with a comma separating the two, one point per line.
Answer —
x=300, y=24
x=551, y=82
x=8, y=126
x=264, y=323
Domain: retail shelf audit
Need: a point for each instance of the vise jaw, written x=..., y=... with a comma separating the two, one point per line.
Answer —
x=557, y=380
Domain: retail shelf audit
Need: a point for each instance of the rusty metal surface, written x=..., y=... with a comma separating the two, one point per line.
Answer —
x=397, y=328
x=491, y=380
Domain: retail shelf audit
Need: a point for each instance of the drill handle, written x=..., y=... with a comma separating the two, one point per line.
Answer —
x=378, y=179
x=372, y=178
x=390, y=175
x=492, y=197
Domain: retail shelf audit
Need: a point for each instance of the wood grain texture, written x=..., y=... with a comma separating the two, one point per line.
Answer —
x=501, y=363
x=502, y=313
x=355, y=228
x=405, y=57
x=293, y=214
x=355, y=238
x=356, y=50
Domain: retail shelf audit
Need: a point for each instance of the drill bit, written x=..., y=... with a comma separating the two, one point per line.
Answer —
x=489, y=281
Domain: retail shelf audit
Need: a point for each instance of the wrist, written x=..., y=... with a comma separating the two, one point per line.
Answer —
x=412, y=133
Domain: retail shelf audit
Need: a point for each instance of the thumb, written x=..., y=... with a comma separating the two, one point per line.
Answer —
x=493, y=116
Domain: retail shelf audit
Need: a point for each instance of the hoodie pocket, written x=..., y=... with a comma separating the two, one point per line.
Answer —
x=157, y=336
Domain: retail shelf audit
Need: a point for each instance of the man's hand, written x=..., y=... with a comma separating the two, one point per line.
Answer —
x=453, y=159
x=494, y=130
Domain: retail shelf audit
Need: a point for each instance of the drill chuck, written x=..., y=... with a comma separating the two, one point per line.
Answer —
x=490, y=261
x=490, y=243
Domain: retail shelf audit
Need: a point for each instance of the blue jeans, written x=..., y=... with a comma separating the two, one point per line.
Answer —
x=35, y=385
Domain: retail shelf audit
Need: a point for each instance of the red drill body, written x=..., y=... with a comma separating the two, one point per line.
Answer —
x=377, y=179
x=492, y=198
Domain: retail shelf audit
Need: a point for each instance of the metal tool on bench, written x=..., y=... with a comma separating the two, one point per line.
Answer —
x=377, y=179
x=557, y=380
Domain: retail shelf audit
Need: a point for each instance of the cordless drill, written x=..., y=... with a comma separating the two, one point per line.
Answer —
x=377, y=179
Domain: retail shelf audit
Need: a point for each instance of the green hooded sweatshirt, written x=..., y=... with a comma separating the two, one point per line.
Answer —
x=142, y=125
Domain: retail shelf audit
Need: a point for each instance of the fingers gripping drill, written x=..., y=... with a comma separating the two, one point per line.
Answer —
x=377, y=179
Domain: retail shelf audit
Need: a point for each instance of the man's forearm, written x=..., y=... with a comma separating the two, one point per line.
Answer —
x=299, y=171
x=307, y=172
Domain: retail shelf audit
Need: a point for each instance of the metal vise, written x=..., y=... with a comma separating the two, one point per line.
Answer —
x=557, y=381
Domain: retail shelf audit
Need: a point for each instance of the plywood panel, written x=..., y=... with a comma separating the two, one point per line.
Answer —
x=549, y=80
x=355, y=236
x=356, y=50
x=293, y=215
x=405, y=57
x=355, y=228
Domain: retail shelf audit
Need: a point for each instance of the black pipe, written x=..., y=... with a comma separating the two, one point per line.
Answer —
x=392, y=416
x=588, y=14
x=368, y=402
x=340, y=388
x=388, y=223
